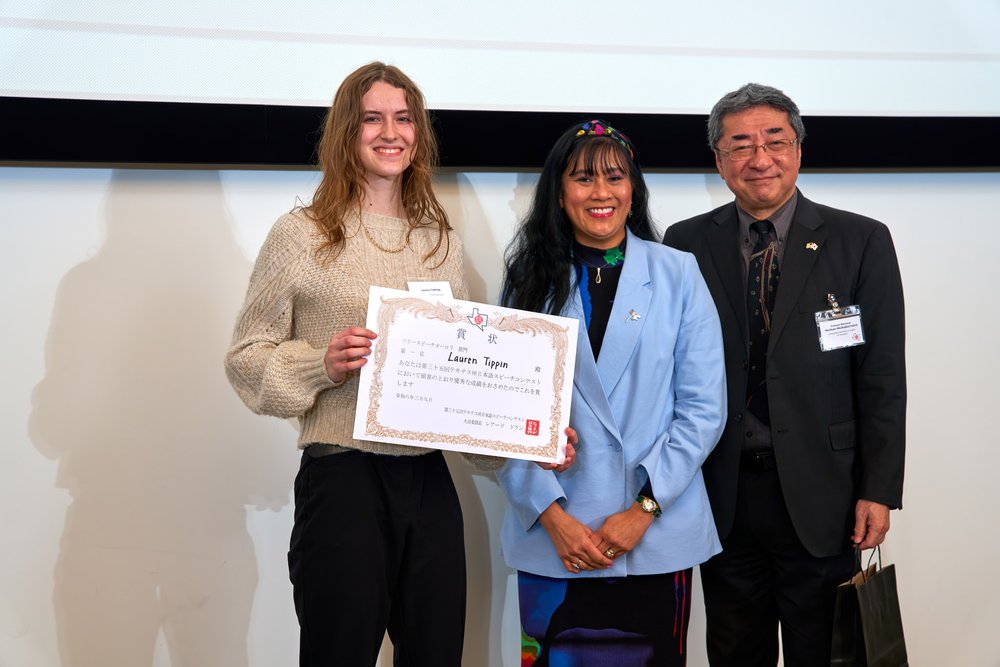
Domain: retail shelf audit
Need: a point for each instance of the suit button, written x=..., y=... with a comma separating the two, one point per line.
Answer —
x=745, y=364
x=739, y=418
x=749, y=434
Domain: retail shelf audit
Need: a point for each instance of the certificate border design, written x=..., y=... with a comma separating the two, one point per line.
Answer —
x=390, y=308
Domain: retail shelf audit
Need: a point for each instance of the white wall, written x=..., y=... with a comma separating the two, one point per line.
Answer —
x=144, y=512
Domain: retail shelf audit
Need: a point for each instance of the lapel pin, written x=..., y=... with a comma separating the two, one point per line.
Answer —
x=812, y=246
x=632, y=316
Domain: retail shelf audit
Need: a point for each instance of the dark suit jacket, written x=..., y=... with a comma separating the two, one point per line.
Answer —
x=838, y=418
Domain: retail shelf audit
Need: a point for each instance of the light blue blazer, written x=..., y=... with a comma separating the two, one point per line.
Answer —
x=652, y=407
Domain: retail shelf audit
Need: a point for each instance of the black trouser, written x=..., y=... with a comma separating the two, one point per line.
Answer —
x=378, y=545
x=765, y=576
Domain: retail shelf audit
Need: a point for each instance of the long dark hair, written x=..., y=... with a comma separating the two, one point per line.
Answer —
x=538, y=262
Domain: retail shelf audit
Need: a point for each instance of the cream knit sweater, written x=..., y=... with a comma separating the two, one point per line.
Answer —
x=299, y=297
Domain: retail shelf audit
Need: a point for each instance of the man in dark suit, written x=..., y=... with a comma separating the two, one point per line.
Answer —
x=811, y=460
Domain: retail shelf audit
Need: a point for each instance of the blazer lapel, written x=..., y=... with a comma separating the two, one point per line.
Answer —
x=724, y=246
x=627, y=319
x=798, y=261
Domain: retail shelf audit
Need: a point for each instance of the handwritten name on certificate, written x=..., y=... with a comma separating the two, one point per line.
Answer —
x=468, y=377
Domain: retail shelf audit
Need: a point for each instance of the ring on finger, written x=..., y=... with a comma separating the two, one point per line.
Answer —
x=610, y=553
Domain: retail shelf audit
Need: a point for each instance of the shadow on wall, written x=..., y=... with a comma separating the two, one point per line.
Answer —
x=159, y=456
x=718, y=193
x=457, y=196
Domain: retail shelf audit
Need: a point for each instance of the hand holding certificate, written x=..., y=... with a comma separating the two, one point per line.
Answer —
x=467, y=377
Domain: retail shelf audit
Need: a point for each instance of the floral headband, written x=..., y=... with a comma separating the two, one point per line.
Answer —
x=598, y=127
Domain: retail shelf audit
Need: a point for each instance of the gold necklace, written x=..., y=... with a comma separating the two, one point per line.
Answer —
x=381, y=247
x=612, y=257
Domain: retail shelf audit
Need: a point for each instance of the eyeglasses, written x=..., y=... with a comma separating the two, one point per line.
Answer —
x=774, y=148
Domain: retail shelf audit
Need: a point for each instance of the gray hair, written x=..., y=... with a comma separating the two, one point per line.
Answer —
x=747, y=97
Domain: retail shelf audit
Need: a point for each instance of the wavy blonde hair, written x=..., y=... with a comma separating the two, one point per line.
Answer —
x=342, y=188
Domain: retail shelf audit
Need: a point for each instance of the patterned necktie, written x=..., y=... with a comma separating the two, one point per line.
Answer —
x=762, y=285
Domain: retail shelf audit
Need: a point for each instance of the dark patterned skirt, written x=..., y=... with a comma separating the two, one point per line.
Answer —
x=604, y=622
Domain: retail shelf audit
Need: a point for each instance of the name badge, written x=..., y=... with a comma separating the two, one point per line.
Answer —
x=440, y=288
x=839, y=327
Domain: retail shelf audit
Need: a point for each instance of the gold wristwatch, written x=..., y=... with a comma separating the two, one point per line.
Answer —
x=648, y=505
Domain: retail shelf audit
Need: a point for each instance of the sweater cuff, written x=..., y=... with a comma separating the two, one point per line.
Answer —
x=311, y=370
x=484, y=463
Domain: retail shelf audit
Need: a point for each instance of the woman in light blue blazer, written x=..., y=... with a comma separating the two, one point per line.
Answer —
x=604, y=550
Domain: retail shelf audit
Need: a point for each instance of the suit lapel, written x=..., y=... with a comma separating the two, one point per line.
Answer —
x=628, y=315
x=724, y=246
x=797, y=263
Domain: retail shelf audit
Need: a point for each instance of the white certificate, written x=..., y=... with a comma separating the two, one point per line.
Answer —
x=468, y=377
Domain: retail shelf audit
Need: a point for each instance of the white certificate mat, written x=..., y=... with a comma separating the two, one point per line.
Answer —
x=468, y=377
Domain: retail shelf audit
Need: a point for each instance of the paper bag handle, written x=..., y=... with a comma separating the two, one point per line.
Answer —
x=877, y=551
